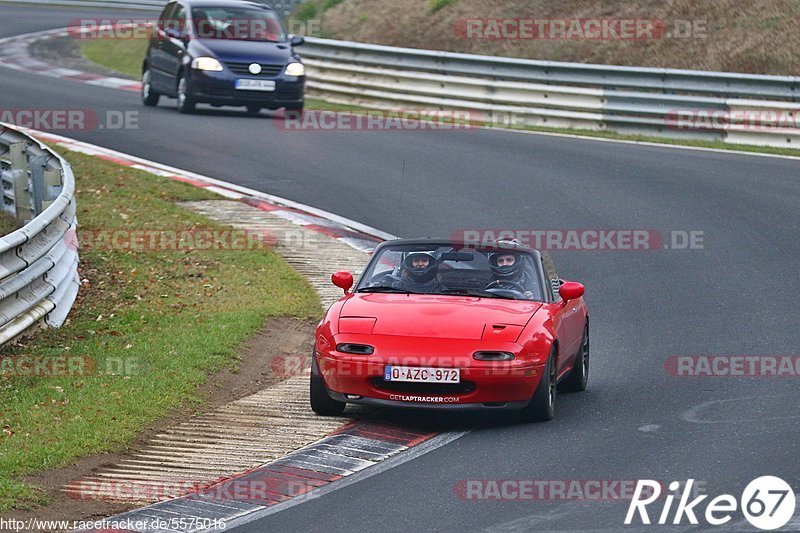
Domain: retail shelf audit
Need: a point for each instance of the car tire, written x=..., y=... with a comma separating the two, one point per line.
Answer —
x=542, y=406
x=149, y=96
x=254, y=109
x=321, y=402
x=578, y=377
x=185, y=103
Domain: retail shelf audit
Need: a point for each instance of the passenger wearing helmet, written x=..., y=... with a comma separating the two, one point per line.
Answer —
x=510, y=272
x=418, y=273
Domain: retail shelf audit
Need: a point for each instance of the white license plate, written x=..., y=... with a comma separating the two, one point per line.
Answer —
x=421, y=374
x=255, y=85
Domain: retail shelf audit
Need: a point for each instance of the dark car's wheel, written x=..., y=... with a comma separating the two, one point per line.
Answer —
x=542, y=406
x=185, y=102
x=254, y=109
x=321, y=402
x=579, y=375
x=149, y=96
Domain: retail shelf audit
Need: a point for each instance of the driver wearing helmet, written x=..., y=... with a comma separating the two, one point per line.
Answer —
x=418, y=273
x=509, y=272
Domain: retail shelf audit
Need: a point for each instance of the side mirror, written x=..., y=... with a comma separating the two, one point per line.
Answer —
x=297, y=40
x=175, y=33
x=571, y=290
x=343, y=280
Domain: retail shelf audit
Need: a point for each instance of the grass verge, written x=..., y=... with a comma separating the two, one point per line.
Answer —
x=7, y=223
x=121, y=55
x=150, y=325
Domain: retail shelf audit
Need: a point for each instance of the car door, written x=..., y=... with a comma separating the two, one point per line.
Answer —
x=156, y=59
x=574, y=317
x=174, y=47
x=561, y=326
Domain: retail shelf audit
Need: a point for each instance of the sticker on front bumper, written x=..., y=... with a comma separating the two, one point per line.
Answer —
x=424, y=399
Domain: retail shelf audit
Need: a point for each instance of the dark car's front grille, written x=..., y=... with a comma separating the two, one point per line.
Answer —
x=423, y=388
x=267, y=71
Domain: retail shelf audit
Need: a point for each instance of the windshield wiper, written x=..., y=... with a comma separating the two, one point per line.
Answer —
x=480, y=293
x=387, y=288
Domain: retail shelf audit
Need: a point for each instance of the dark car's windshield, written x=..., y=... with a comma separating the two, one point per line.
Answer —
x=453, y=270
x=237, y=23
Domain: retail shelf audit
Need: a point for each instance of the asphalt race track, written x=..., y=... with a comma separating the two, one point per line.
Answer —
x=737, y=295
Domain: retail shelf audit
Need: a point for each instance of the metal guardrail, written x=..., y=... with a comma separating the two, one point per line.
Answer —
x=38, y=262
x=630, y=100
x=146, y=5
x=285, y=7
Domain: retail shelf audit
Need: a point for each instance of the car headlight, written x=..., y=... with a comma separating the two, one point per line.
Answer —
x=295, y=69
x=206, y=63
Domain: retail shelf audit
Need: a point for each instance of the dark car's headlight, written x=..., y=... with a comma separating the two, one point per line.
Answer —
x=358, y=349
x=493, y=356
x=206, y=63
x=295, y=69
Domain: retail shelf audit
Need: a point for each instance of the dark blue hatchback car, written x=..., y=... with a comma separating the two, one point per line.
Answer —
x=222, y=52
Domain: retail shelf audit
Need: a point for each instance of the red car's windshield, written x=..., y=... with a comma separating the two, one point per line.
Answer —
x=449, y=270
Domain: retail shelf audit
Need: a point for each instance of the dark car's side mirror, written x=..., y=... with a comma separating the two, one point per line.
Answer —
x=343, y=280
x=175, y=33
x=571, y=290
x=297, y=40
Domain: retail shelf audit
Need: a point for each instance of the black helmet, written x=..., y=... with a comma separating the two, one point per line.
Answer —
x=419, y=274
x=509, y=271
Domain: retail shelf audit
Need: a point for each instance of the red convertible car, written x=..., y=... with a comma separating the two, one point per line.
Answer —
x=436, y=323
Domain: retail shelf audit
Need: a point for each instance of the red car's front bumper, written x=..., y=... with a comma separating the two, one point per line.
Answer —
x=491, y=384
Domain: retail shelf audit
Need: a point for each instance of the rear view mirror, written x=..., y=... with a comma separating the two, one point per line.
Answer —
x=297, y=40
x=457, y=256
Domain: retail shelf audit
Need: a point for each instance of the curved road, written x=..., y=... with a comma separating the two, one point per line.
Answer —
x=738, y=295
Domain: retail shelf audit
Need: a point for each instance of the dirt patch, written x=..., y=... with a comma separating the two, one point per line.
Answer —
x=262, y=365
x=66, y=52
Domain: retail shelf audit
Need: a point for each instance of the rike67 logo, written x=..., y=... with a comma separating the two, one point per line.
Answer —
x=767, y=503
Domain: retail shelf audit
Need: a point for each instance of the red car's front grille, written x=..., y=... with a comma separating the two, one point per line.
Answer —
x=423, y=388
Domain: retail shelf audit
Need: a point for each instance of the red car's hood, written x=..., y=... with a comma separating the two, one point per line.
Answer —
x=452, y=317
